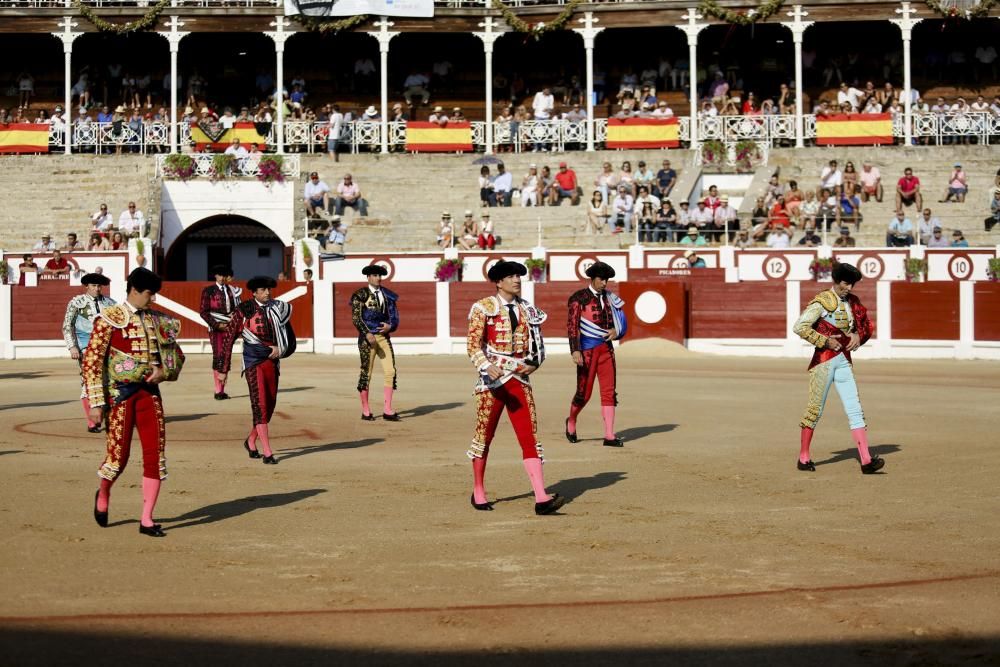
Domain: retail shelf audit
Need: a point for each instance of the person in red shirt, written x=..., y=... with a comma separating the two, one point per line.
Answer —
x=57, y=266
x=778, y=217
x=908, y=191
x=566, y=185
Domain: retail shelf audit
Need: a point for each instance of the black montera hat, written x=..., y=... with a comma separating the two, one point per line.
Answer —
x=95, y=279
x=505, y=268
x=222, y=270
x=600, y=270
x=374, y=269
x=847, y=273
x=143, y=279
x=258, y=282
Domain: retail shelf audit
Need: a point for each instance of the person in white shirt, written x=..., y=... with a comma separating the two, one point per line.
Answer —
x=529, y=187
x=980, y=104
x=645, y=198
x=662, y=110
x=239, y=154
x=131, y=222
x=45, y=245
x=542, y=106
x=703, y=216
x=830, y=178
x=778, y=238
x=335, y=128
x=102, y=220
x=503, y=185
x=316, y=196
x=873, y=106
x=622, y=209
x=227, y=119
x=849, y=95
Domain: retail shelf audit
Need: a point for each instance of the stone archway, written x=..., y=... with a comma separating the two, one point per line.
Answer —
x=245, y=244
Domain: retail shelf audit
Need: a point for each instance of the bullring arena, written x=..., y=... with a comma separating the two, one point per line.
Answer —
x=698, y=542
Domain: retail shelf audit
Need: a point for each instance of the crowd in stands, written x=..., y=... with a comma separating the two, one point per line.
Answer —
x=327, y=205
x=470, y=235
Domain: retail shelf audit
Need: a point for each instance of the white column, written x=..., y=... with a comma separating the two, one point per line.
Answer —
x=174, y=38
x=905, y=26
x=798, y=28
x=589, y=33
x=67, y=36
x=280, y=35
x=384, y=37
x=691, y=29
x=489, y=37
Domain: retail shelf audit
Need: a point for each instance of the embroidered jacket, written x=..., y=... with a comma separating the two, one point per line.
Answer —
x=124, y=347
x=492, y=341
x=591, y=318
x=218, y=303
x=828, y=316
x=81, y=311
x=368, y=315
x=262, y=326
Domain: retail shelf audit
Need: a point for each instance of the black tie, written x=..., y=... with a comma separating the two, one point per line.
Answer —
x=513, y=316
x=97, y=305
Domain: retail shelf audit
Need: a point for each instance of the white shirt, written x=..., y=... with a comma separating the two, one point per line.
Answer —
x=830, y=177
x=227, y=121
x=503, y=182
x=315, y=190
x=378, y=295
x=103, y=222
x=777, y=240
x=237, y=151
x=543, y=105
x=131, y=223
x=336, y=125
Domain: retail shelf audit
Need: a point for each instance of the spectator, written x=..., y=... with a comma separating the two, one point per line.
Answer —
x=702, y=217
x=503, y=186
x=850, y=176
x=725, y=219
x=693, y=237
x=444, y=232
x=622, y=208
x=793, y=201
x=597, y=214
x=371, y=114
x=334, y=133
x=830, y=177
x=900, y=232
x=529, y=186
x=683, y=216
x=845, y=240
x=416, y=84
x=926, y=225
x=71, y=245
x=743, y=240
x=457, y=116
x=542, y=106
x=849, y=206
x=645, y=219
x=810, y=239
x=778, y=215
x=316, y=196
x=662, y=110
x=239, y=154
x=486, y=241
x=349, y=195
x=131, y=222
x=829, y=209
x=545, y=185
x=871, y=182
x=643, y=198
x=98, y=242
x=468, y=235
x=486, y=196
x=334, y=244
x=666, y=178
x=627, y=178
x=958, y=240
x=57, y=266
x=938, y=240
x=908, y=191
x=666, y=222
x=778, y=237
x=607, y=181
x=994, y=218
x=118, y=241
x=809, y=209
x=958, y=185
x=253, y=157
x=645, y=176
x=758, y=216
x=713, y=200
x=693, y=260
x=26, y=266
x=565, y=186
x=307, y=275
x=45, y=245
x=25, y=88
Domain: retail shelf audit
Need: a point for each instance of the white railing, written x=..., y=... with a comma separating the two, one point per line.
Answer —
x=290, y=166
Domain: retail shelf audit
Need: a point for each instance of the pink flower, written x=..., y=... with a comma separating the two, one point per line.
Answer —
x=128, y=364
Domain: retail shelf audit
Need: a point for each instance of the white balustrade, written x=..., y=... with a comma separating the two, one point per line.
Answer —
x=290, y=165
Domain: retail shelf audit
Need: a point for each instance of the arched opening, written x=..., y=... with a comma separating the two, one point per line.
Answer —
x=248, y=246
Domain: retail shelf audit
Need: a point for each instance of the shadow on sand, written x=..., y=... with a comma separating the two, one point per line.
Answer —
x=852, y=454
x=574, y=487
x=40, y=404
x=422, y=410
x=238, y=507
x=188, y=418
x=294, y=452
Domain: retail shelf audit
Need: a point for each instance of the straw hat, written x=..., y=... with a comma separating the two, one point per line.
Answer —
x=188, y=111
x=120, y=109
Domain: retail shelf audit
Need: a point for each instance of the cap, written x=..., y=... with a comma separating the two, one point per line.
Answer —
x=188, y=111
x=120, y=109
x=485, y=215
x=445, y=214
x=456, y=108
x=562, y=164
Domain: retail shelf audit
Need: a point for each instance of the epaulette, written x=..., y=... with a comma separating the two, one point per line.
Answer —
x=79, y=301
x=117, y=316
x=489, y=306
x=827, y=299
x=535, y=314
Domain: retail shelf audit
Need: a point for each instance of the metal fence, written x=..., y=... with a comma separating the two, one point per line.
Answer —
x=555, y=135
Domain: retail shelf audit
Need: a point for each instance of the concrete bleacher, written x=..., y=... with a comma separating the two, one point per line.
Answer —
x=58, y=194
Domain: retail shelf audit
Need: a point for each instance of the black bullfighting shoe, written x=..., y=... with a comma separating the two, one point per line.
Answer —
x=550, y=505
x=873, y=466
x=808, y=465
x=570, y=436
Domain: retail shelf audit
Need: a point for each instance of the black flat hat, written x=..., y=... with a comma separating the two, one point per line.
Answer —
x=505, y=268
x=600, y=270
x=374, y=270
x=258, y=282
x=95, y=279
x=222, y=270
x=143, y=279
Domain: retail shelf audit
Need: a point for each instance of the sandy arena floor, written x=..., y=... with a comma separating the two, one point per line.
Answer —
x=698, y=543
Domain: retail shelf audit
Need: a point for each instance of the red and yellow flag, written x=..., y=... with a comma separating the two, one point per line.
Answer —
x=425, y=137
x=643, y=133
x=855, y=129
x=24, y=138
x=245, y=132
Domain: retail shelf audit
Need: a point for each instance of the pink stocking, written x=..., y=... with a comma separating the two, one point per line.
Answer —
x=534, y=470
x=805, y=440
x=574, y=410
x=861, y=438
x=215, y=379
x=387, y=397
x=104, y=495
x=150, y=490
x=365, y=410
x=86, y=411
x=608, y=413
x=265, y=440
x=479, y=479
x=252, y=438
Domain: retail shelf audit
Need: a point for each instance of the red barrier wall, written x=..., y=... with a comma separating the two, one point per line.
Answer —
x=37, y=312
x=189, y=294
x=987, y=309
x=462, y=296
x=553, y=298
x=925, y=311
x=736, y=310
x=417, y=309
x=674, y=324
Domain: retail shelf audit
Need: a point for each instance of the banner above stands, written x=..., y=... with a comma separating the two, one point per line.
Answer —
x=856, y=129
x=643, y=133
x=247, y=133
x=24, y=138
x=320, y=8
x=425, y=137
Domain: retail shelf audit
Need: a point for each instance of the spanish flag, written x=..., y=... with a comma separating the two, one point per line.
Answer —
x=855, y=129
x=643, y=133
x=24, y=138
x=245, y=132
x=424, y=137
